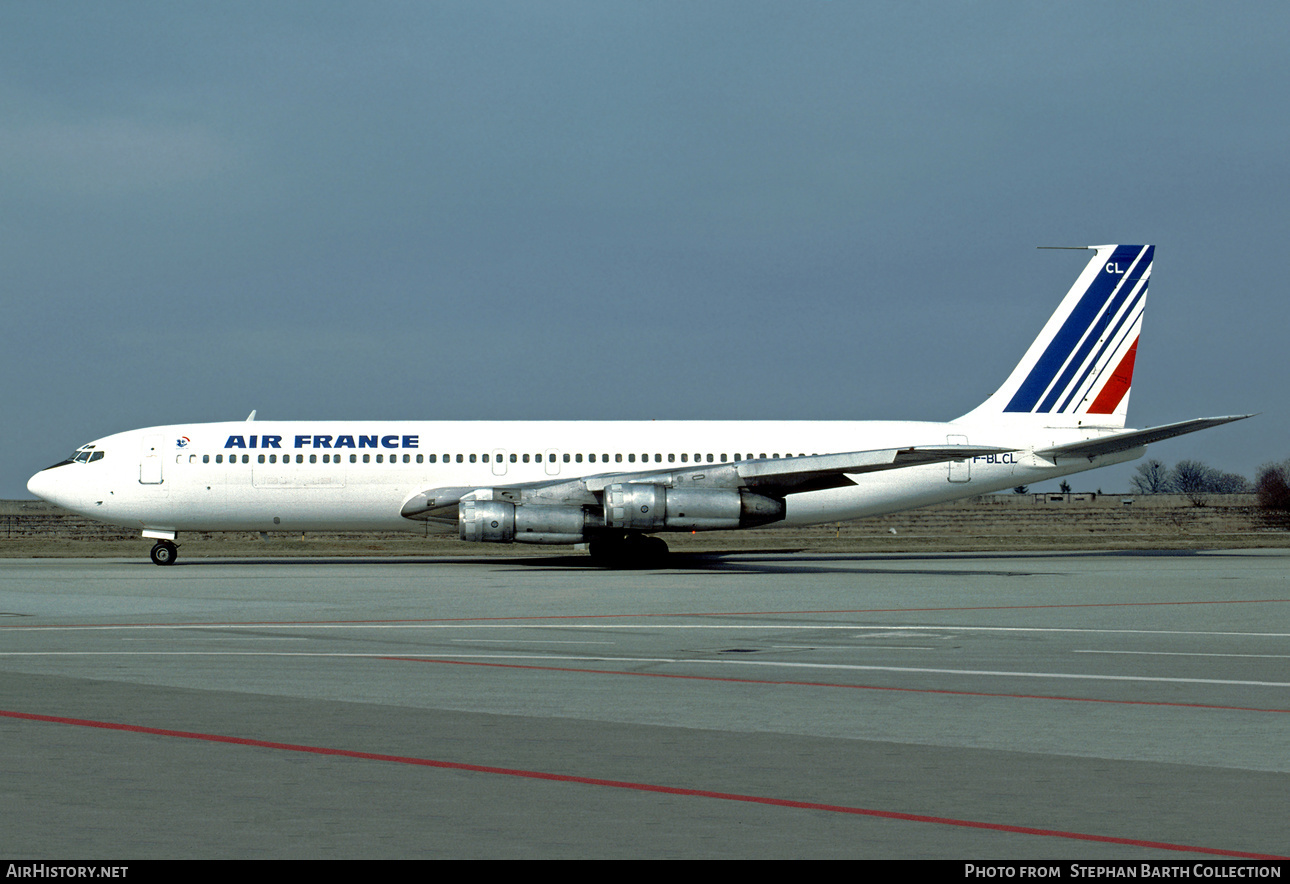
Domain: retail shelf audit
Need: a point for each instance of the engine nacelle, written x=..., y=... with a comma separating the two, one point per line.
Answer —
x=645, y=507
x=496, y=521
x=636, y=507
x=628, y=507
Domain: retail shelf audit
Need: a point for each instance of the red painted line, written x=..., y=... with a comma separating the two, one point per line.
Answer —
x=639, y=787
x=645, y=616
x=1117, y=386
x=825, y=684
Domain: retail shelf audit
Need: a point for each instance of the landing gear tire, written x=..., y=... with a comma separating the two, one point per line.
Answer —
x=654, y=548
x=164, y=553
x=630, y=551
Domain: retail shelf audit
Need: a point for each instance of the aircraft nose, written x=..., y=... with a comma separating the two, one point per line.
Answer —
x=38, y=485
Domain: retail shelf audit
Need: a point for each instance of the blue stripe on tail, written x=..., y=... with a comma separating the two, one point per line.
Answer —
x=1092, y=305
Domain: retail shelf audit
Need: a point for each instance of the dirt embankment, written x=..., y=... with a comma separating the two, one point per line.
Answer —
x=992, y=522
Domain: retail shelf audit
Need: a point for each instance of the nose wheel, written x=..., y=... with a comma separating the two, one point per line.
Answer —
x=164, y=553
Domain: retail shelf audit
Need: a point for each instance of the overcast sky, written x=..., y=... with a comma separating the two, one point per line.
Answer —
x=812, y=210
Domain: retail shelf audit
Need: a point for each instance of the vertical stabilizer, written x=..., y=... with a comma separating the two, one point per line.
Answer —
x=1079, y=370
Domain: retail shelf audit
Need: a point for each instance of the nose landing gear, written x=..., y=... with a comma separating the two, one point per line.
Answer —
x=164, y=553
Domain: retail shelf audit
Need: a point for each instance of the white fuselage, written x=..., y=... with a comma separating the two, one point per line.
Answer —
x=356, y=475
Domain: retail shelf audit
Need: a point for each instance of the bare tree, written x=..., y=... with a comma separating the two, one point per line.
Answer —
x=1273, y=486
x=1231, y=483
x=1194, y=479
x=1152, y=478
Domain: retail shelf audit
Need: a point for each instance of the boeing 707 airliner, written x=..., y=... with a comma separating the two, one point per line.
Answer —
x=616, y=485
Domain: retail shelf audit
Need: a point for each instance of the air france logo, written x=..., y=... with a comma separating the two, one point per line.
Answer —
x=182, y=442
x=375, y=440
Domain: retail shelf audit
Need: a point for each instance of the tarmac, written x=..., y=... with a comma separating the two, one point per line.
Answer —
x=971, y=706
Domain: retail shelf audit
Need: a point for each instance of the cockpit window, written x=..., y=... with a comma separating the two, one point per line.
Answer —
x=86, y=454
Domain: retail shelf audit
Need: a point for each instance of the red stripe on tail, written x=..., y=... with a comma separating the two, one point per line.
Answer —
x=1118, y=386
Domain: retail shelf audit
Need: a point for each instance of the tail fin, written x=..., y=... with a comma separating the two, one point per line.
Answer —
x=1078, y=371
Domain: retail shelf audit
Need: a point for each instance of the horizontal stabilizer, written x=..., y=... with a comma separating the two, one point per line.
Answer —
x=1092, y=448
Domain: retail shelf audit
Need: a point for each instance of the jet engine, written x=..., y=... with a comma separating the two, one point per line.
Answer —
x=628, y=507
x=497, y=521
x=645, y=507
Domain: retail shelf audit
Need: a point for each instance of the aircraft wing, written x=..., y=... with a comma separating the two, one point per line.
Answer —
x=775, y=477
x=1092, y=448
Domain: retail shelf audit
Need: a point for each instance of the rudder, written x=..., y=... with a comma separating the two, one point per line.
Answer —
x=1079, y=370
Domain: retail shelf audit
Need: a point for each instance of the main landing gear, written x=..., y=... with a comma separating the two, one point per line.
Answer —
x=628, y=551
x=164, y=553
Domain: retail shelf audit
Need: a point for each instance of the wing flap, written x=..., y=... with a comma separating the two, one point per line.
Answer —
x=789, y=473
x=773, y=476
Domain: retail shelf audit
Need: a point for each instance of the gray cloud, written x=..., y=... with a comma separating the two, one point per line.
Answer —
x=817, y=210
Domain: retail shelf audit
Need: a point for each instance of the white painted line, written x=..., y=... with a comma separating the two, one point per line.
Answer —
x=849, y=648
x=548, y=659
x=1184, y=654
x=520, y=641
x=647, y=625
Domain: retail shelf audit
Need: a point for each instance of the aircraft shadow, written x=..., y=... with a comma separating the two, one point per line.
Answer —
x=717, y=561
